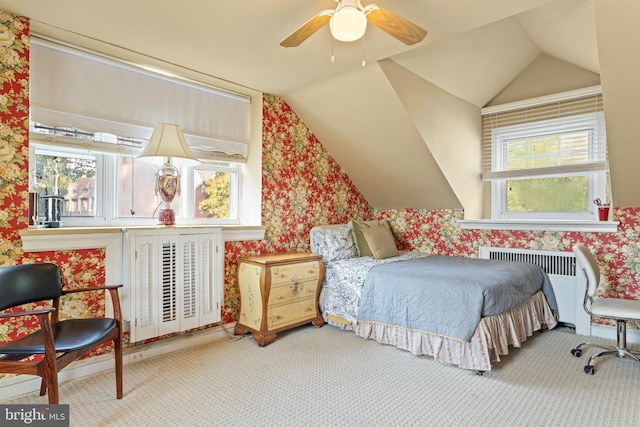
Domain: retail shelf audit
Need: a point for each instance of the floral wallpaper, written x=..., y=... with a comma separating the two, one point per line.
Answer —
x=302, y=186
x=14, y=150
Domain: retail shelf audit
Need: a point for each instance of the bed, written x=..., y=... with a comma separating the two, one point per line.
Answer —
x=462, y=311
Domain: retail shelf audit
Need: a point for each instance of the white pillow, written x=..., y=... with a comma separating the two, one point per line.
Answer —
x=334, y=243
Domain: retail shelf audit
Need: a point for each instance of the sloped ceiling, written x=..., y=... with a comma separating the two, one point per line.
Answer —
x=474, y=50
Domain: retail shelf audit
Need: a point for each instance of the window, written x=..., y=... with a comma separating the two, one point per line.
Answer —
x=215, y=192
x=85, y=189
x=67, y=184
x=546, y=161
x=132, y=176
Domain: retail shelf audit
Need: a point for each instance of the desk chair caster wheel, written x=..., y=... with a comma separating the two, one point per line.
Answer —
x=589, y=369
x=576, y=352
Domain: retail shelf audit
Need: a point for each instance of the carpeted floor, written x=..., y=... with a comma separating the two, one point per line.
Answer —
x=326, y=377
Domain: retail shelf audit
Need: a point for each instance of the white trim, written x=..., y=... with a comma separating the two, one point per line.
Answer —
x=233, y=234
x=22, y=384
x=611, y=332
x=562, y=96
x=69, y=239
x=540, y=225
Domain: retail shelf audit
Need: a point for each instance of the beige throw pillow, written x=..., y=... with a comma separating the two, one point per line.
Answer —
x=380, y=241
x=356, y=228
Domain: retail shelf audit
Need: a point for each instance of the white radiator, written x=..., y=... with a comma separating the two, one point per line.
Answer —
x=566, y=278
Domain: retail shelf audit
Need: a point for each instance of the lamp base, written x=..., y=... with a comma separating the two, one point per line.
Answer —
x=166, y=216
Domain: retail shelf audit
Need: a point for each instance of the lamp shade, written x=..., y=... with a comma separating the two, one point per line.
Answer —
x=168, y=141
x=348, y=24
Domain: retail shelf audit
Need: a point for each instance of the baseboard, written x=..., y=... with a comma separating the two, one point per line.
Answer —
x=610, y=332
x=22, y=384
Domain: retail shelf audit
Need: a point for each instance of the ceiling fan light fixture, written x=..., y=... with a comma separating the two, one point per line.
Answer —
x=348, y=24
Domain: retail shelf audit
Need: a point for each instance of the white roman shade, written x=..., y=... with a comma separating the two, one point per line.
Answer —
x=511, y=134
x=73, y=88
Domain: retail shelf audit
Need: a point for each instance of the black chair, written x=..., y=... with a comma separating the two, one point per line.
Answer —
x=58, y=342
x=621, y=310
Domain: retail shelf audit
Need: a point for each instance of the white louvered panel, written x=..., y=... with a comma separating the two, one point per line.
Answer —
x=209, y=304
x=169, y=287
x=189, y=303
x=145, y=305
x=176, y=280
x=216, y=274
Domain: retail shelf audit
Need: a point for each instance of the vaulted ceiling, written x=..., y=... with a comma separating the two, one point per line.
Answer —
x=473, y=52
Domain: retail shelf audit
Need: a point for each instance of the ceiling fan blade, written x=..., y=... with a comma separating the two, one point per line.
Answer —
x=396, y=26
x=307, y=29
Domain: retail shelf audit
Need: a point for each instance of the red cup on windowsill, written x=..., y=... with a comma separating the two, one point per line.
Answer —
x=603, y=213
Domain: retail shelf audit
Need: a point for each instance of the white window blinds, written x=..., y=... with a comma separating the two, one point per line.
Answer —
x=72, y=88
x=550, y=138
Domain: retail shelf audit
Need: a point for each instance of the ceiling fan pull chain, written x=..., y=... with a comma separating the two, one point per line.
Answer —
x=363, y=51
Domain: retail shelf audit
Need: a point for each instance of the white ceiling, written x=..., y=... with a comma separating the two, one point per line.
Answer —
x=474, y=50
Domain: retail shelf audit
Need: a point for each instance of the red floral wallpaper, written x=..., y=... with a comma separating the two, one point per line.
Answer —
x=14, y=125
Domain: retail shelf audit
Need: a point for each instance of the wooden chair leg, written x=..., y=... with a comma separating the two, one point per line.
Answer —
x=53, y=394
x=49, y=373
x=50, y=386
x=118, y=355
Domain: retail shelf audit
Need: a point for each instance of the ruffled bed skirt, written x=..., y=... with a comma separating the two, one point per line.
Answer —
x=492, y=337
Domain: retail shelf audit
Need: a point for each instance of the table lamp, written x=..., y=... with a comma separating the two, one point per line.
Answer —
x=168, y=142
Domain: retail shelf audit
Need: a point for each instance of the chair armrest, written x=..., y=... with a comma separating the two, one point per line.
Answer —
x=115, y=298
x=92, y=288
x=27, y=313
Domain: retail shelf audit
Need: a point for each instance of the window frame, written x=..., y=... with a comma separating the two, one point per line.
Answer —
x=106, y=184
x=592, y=123
x=187, y=198
x=568, y=107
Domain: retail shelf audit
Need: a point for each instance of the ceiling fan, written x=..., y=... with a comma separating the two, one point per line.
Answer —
x=348, y=22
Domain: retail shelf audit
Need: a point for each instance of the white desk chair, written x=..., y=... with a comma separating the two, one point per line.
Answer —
x=619, y=309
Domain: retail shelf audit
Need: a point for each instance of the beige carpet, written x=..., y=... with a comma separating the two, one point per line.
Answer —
x=326, y=377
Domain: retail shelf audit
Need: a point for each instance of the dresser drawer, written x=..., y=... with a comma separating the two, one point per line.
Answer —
x=297, y=290
x=292, y=273
x=283, y=315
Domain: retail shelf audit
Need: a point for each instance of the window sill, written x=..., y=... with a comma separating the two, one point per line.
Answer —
x=70, y=238
x=540, y=225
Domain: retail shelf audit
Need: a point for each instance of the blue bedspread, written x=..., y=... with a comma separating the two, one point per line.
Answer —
x=448, y=295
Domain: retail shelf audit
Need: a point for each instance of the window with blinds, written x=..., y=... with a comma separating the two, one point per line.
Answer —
x=561, y=137
x=546, y=159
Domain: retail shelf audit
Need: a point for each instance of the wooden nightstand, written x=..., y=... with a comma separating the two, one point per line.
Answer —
x=278, y=292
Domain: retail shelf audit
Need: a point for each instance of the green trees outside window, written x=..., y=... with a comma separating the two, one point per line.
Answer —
x=215, y=196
